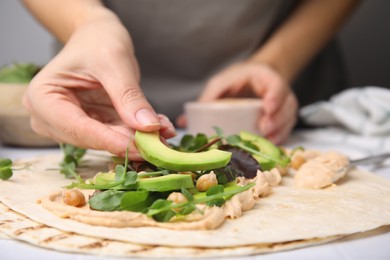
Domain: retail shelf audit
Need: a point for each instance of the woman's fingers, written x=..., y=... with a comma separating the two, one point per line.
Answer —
x=277, y=127
x=120, y=80
x=279, y=105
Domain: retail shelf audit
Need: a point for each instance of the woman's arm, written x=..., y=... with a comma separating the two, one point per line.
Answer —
x=62, y=18
x=269, y=72
x=303, y=34
x=89, y=95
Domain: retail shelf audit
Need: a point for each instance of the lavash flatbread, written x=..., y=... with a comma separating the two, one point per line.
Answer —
x=22, y=228
x=359, y=203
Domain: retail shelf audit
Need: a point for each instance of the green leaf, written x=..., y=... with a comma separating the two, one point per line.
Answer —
x=161, y=210
x=215, y=202
x=187, y=194
x=72, y=154
x=215, y=190
x=7, y=168
x=69, y=170
x=131, y=178
x=219, y=131
x=5, y=162
x=218, y=189
x=186, y=141
x=190, y=143
x=137, y=201
x=108, y=200
x=71, y=160
x=233, y=139
x=250, y=145
x=120, y=171
x=5, y=172
x=227, y=193
x=187, y=209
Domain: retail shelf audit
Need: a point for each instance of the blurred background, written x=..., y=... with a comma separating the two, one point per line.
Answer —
x=365, y=40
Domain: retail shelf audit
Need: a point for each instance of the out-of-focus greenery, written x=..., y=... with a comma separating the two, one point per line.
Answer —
x=18, y=73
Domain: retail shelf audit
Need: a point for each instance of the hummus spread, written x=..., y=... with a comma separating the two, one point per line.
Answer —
x=320, y=169
x=202, y=219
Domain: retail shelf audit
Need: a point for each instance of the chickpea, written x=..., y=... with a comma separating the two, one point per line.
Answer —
x=206, y=181
x=73, y=197
x=177, y=197
x=282, y=170
x=297, y=162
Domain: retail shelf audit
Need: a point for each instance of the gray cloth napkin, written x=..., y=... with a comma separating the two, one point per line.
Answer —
x=364, y=110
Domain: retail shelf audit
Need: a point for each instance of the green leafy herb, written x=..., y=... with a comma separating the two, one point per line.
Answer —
x=227, y=174
x=71, y=160
x=137, y=201
x=219, y=131
x=108, y=200
x=161, y=210
x=5, y=168
x=187, y=209
x=187, y=194
x=120, y=170
x=122, y=178
x=217, y=189
x=131, y=178
x=190, y=143
x=165, y=207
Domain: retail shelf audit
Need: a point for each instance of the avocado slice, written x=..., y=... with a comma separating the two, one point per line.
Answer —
x=164, y=183
x=160, y=184
x=154, y=151
x=265, y=146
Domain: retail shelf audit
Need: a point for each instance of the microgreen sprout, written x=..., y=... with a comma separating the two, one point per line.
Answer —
x=71, y=160
x=7, y=167
x=215, y=197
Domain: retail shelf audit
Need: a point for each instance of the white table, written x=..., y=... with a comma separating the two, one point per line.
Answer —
x=370, y=246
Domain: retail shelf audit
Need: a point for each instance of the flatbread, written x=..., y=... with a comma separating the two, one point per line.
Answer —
x=288, y=218
x=22, y=228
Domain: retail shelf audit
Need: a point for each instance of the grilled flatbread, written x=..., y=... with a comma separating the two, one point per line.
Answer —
x=288, y=218
x=22, y=228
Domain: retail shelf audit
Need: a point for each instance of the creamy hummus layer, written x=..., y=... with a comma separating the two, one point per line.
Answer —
x=205, y=218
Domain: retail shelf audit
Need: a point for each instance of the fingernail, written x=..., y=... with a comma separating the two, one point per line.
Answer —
x=146, y=117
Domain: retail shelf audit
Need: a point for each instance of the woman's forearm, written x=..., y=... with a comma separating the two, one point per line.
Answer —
x=62, y=17
x=303, y=34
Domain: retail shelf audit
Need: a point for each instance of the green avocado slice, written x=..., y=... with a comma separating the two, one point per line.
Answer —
x=154, y=151
x=265, y=146
x=168, y=182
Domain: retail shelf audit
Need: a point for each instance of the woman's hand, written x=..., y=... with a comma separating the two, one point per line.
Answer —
x=89, y=94
x=279, y=104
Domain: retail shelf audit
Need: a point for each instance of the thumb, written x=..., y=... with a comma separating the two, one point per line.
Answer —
x=120, y=82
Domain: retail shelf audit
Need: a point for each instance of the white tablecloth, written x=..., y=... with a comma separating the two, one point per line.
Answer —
x=370, y=246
